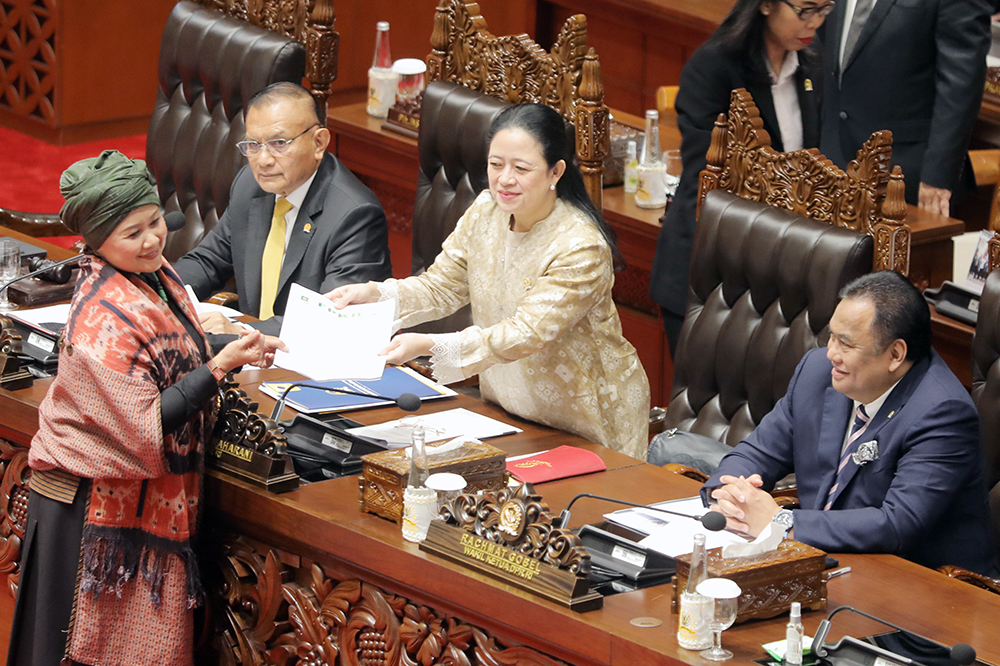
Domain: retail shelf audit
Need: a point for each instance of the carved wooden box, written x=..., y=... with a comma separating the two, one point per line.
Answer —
x=385, y=473
x=770, y=581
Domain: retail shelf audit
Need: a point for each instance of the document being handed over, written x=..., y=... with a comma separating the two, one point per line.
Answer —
x=327, y=343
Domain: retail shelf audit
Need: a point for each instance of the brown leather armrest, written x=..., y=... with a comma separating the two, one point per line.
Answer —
x=36, y=225
x=226, y=298
x=689, y=472
x=979, y=580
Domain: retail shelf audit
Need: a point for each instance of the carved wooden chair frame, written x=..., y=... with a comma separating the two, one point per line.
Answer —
x=865, y=197
x=516, y=69
x=307, y=21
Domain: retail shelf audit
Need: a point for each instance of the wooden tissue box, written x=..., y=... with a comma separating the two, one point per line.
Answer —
x=770, y=581
x=385, y=474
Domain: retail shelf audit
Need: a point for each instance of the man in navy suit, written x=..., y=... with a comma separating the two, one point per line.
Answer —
x=915, y=67
x=902, y=474
x=335, y=231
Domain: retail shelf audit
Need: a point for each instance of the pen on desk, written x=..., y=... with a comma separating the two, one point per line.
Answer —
x=838, y=572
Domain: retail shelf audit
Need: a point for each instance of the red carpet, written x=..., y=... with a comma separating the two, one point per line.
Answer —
x=30, y=168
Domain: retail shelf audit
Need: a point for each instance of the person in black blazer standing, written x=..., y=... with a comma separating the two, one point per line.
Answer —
x=334, y=230
x=915, y=67
x=762, y=45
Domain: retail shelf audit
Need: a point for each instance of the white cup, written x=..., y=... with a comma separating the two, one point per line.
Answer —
x=447, y=486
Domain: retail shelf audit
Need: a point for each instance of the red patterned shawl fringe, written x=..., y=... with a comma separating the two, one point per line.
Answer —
x=113, y=556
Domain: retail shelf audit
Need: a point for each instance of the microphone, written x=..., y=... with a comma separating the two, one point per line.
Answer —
x=961, y=653
x=711, y=520
x=174, y=221
x=408, y=402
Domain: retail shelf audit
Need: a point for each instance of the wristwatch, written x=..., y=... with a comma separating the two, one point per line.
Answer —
x=786, y=519
x=216, y=371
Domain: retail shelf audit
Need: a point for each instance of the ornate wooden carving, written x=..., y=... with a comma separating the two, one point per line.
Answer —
x=865, y=197
x=306, y=21
x=248, y=444
x=27, y=76
x=14, y=509
x=12, y=375
x=272, y=613
x=516, y=69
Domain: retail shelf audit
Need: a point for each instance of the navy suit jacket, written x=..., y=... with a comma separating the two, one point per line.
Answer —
x=340, y=237
x=924, y=498
x=707, y=82
x=918, y=70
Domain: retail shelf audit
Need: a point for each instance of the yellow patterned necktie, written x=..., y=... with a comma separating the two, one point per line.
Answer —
x=270, y=262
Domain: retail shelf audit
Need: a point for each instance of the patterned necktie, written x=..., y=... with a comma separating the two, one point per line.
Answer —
x=861, y=11
x=270, y=262
x=861, y=420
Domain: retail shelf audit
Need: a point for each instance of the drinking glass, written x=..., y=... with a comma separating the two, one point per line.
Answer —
x=10, y=268
x=672, y=177
x=448, y=486
x=726, y=594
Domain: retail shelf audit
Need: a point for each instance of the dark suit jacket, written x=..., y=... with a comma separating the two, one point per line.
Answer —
x=707, y=81
x=918, y=69
x=924, y=498
x=347, y=241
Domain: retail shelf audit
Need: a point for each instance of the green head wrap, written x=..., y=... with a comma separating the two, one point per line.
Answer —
x=101, y=191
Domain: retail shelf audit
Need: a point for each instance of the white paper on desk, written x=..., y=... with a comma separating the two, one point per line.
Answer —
x=52, y=314
x=441, y=425
x=672, y=535
x=326, y=343
x=201, y=308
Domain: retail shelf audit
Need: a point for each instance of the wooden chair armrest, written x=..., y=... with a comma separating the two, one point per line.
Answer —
x=225, y=298
x=36, y=225
x=787, y=501
x=689, y=472
x=979, y=580
x=985, y=166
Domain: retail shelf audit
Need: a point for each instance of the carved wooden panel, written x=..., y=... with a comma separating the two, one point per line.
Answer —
x=516, y=69
x=28, y=58
x=271, y=613
x=865, y=197
x=13, y=509
x=306, y=21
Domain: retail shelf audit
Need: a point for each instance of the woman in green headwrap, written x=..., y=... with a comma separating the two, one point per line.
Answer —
x=108, y=571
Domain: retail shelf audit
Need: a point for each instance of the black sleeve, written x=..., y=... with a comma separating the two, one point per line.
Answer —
x=183, y=398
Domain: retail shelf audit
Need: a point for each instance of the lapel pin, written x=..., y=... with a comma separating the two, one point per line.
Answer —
x=308, y=228
x=891, y=414
x=808, y=83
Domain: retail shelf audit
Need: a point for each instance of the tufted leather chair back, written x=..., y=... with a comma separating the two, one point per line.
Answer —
x=764, y=284
x=454, y=122
x=210, y=66
x=986, y=391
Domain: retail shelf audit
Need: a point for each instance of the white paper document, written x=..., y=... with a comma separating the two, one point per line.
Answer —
x=327, y=343
x=672, y=535
x=201, y=308
x=441, y=425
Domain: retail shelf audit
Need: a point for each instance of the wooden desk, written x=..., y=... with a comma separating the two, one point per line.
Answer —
x=325, y=547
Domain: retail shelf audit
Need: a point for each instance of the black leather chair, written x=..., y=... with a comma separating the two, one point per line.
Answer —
x=763, y=287
x=454, y=122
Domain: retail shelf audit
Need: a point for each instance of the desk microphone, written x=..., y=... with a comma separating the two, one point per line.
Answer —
x=711, y=520
x=174, y=221
x=408, y=402
x=961, y=653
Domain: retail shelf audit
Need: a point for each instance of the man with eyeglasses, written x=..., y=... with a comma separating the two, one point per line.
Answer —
x=915, y=67
x=295, y=215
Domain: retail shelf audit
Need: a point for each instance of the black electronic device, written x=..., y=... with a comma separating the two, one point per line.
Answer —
x=40, y=343
x=324, y=449
x=955, y=301
x=614, y=548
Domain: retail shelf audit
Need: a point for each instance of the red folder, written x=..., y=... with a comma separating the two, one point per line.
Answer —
x=561, y=462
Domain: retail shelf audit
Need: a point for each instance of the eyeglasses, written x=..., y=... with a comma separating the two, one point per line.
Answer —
x=274, y=146
x=806, y=13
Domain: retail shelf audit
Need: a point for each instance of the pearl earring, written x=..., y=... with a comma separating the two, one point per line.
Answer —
x=552, y=187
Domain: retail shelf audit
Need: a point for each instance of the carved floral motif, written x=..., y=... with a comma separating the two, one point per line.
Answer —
x=14, y=514
x=269, y=617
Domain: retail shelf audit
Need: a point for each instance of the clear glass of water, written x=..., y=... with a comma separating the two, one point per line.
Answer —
x=10, y=268
x=672, y=178
x=726, y=594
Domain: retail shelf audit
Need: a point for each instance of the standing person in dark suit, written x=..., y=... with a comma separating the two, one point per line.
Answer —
x=882, y=438
x=765, y=46
x=915, y=67
x=332, y=229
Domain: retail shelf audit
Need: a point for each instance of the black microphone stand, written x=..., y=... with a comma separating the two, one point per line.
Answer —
x=711, y=520
x=407, y=401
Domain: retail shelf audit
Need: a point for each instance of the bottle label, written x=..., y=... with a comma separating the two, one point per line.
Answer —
x=419, y=509
x=651, y=191
x=381, y=91
x=631, y=176
x=693, y=632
